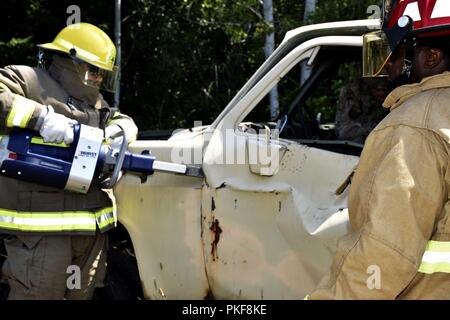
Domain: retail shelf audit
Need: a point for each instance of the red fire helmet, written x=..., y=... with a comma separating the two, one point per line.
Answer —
x=430, y=17
x=403, y=19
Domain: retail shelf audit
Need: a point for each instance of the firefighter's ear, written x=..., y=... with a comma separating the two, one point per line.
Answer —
x=433, y=57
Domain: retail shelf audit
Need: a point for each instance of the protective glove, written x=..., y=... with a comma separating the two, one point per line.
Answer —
x=110, y=136
x=57, y=128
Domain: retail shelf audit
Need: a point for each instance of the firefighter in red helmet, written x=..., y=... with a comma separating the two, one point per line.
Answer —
x=399, y=207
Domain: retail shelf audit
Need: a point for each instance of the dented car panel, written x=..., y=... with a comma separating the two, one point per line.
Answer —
x=162, y=216
x=277, y=235
x=255, y=227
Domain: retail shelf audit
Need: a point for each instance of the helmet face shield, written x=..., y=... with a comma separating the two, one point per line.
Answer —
x=376, y=54
x=96, y=77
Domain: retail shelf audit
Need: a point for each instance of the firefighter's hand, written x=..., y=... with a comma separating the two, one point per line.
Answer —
x=57, y=128
x=112, y=137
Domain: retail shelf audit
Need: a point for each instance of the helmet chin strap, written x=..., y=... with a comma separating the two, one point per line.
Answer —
x=41, y=59
x=401, y=80
x=407, y=70
x=410, y=43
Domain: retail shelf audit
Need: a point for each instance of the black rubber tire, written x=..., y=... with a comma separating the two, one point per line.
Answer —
x=122, y=274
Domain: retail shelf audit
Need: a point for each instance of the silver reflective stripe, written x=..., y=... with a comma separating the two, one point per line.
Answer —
x=48, y=221
x=105, y=218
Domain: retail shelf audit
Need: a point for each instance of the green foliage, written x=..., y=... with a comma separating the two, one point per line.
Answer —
x=13, y=45
x=194, y=56
x=327, y=95
x=183, y=60
x=342, y=10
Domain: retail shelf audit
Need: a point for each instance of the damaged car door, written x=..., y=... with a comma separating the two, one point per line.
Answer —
x=271, y=203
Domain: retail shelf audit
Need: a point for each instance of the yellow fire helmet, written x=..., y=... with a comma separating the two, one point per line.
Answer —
x=92, y=51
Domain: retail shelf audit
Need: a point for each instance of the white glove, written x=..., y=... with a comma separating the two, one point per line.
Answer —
x=57, y=128
x=110, y=132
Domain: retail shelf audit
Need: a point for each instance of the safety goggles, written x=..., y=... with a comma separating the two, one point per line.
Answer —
x=96, y=77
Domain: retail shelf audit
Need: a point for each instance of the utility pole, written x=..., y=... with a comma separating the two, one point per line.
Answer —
x=310, y=7
x=268, y=49
x=118, y=34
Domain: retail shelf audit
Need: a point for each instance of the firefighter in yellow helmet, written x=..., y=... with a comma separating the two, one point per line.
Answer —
x=399, y=207
x=53, y=232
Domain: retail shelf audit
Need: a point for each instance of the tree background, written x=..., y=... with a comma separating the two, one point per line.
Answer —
x=182, y=60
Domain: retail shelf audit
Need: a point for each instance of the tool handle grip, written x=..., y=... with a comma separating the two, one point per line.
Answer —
x=120, y=159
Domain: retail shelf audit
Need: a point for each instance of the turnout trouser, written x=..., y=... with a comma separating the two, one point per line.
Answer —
x=54, y=267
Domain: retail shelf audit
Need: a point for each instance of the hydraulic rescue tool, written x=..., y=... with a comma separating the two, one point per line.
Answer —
x=25, y=156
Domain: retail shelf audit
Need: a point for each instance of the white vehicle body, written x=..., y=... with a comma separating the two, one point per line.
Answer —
x=253, y=230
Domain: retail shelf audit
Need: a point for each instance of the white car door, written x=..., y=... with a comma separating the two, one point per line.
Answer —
x=270, y=213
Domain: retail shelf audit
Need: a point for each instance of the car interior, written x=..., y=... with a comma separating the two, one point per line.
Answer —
x=307, y=112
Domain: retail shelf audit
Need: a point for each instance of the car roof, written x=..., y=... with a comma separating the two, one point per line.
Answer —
x=347, y=28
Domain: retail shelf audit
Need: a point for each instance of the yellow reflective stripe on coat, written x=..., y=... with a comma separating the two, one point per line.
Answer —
x=39, y=140
x=21, y=111
x=436, y=257
x=57, y=221
x=105, y=218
